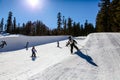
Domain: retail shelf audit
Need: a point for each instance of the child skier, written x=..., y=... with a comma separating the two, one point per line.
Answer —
x=58, y=44
x=72, y=43
x=33, y=52
x=3, y=43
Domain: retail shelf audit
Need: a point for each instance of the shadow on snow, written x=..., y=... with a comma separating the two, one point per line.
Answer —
x=86, y=57
x=33, y=58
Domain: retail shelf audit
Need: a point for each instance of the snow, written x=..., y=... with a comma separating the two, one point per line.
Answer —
x=19, y=41
x=98, y=59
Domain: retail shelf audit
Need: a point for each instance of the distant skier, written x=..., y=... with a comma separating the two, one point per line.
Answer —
x=33, y=52
x=72, y=43
x=3, y=43
x=26, y=46
x=58, y=44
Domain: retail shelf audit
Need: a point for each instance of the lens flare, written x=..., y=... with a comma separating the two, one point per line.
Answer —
x=35, y=3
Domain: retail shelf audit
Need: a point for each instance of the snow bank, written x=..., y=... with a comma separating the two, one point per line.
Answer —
x=16, y=42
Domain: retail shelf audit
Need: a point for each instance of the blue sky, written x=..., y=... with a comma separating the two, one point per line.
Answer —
x=46, y=10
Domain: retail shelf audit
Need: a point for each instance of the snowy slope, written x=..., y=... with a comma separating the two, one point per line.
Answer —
x=97, y=60
x=16, y=42
x=18, y=65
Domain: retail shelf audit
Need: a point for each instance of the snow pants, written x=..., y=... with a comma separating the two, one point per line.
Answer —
x=73, y=45
x=33, y=54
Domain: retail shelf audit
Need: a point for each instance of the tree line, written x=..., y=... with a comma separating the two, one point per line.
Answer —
x=108, y=17
x=66, y=26
x=29, y=28
x=38, y=28
x=107, y=20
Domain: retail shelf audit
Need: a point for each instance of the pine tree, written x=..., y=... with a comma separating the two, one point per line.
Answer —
x=69, y=24
x=108, y=18
x=86, y=27
x=59, y=22
x=38, y=28
x=9, y=23
x=81, y=30
x=65, y=27
x=23, y=31
x=89, y=28
x=1, y=24
x=76, y=29
x=102, y=20
x=14, y=25
x=28, y=28
x=115, y=15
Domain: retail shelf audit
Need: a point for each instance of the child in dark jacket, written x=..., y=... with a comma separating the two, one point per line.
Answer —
x=72, y=43
x=33, y=52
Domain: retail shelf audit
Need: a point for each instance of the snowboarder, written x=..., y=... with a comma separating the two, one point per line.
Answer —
x=72, y=43
x=33, y=52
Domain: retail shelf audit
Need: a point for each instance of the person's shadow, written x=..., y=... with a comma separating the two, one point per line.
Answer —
x=33, y=58
x=86, y=57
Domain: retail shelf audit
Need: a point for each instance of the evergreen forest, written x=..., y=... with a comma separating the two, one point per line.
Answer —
x=107, y=20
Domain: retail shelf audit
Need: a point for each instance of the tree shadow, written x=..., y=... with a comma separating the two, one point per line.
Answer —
x=86, y=57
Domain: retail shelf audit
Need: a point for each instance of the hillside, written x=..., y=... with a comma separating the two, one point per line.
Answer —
x=98, y=59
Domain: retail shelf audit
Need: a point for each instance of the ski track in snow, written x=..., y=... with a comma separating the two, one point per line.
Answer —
x=98, y=59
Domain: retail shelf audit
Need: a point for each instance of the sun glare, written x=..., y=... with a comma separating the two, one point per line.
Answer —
x=35, y=3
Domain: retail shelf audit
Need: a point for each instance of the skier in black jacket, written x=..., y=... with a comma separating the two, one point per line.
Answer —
x=72, y=43
x=33, y=52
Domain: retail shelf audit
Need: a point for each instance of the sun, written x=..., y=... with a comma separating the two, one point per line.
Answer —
x=35, y=3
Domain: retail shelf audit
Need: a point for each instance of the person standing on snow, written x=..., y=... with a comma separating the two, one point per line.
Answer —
x=3, y=43
x=26, y=46
x=72, y=43
x=58, y=44
x=33, y=52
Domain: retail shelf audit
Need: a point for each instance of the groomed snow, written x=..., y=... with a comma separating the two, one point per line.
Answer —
x=98, y=59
